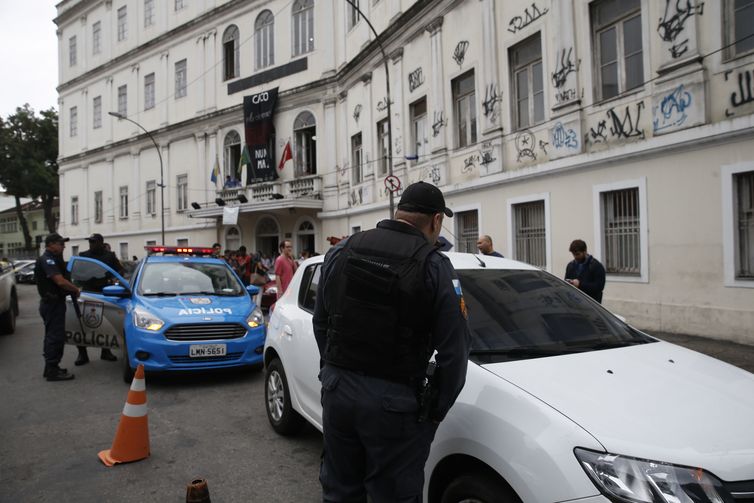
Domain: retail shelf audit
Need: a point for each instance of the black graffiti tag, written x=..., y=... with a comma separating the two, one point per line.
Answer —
x=438, y=123
x=563, y=69
x=518, y=23
x=628, y=125
x=673, y=22
x=382, y=105
x=460, y=53
x=599, y=135
x=469, y=163
x=491, y=98
x=525, y=142
x=415, y=79
x=744, y=94
x=485, y=157
x=357, y=112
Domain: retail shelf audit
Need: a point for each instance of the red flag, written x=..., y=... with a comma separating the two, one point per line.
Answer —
x=287, y=155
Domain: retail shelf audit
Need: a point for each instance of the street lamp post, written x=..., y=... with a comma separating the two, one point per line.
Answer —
x=120, y=116
x=389, y=114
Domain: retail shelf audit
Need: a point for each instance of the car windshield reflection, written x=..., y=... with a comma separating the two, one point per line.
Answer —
x=169, y=279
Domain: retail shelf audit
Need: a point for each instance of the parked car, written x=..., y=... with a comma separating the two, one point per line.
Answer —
x=8, y=299
x=25, y=274
x=563, y=400
x=181, y=310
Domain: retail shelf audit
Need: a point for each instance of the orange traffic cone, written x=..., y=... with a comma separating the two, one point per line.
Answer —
x=131, y=441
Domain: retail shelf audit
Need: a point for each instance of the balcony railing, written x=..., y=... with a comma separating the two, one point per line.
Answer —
x=308, y=187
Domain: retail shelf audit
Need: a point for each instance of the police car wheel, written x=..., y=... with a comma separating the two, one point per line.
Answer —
x=8, y=318
x=128, y=372
x=283, y=419
x=478, y=488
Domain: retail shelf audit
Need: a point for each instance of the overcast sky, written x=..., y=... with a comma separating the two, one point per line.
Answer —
x=28, y=58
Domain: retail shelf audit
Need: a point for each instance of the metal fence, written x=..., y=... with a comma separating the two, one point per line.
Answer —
x=530, y=239
x=744, y=183
x=621, y=225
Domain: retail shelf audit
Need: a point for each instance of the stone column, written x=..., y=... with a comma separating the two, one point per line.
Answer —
x=135, y=202
x=200, y=58
x=81, y=41
x=344, y=153
x=436, y=98
x=326, y=40
x=165, y=94
x=397, y=107
x=205, y=168
x=366, y=125
x=84, y=124
x=563, y=71
x=168, y=181
x=212, y=147
x=138, y=105
x=329, y=153
x=211, y=78
x=676, y=30
x=492, y=98
x=109, y=104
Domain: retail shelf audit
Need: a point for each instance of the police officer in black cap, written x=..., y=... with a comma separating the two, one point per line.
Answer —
x=98, y=251
x=386, y=301
x=53, y=287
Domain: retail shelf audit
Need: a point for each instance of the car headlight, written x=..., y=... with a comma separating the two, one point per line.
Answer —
x=146, y=320
x=629, y=480
x=256, y=318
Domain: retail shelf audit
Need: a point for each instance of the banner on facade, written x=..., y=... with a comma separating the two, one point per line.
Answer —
x=230, y=215
x=259, y=130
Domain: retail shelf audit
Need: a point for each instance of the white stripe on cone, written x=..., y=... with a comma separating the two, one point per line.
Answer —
x=138, y=385
x=132, y=410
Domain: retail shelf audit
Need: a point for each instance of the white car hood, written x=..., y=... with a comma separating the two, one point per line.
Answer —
x=655, y=401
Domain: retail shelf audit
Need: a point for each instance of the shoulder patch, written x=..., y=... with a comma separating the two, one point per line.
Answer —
x=457, y=287
x=50, y=261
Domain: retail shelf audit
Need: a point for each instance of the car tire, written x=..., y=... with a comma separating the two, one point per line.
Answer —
x=8, y=318
x=128, y=372
x=478, y=488
x=283, y=419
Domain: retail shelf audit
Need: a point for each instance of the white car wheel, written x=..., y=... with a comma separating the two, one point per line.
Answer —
x=280, y=413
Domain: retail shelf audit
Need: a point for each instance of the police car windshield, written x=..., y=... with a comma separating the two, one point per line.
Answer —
x=515, y=314
x=188, y=278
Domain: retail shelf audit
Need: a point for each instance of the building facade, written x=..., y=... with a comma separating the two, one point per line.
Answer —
x=12, y=243
x=628, y=124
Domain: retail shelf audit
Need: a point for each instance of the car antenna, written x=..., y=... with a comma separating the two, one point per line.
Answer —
x=480, y=261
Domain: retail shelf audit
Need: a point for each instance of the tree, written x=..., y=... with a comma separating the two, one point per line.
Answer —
x=28, y=161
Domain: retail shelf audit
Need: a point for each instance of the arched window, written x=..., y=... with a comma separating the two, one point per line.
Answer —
x=268, y=235
x=264, y=37
x=304, y=144
x=231, y=155
x=232, y=239
x=231, y=52
x=305, y=237
x=303, y=26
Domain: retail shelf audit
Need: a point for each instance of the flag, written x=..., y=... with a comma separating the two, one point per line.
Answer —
x=242, y=163
x=287, y=155
x=215, y=172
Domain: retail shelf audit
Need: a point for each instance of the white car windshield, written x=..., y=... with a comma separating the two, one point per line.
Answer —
x=188, y=278
x=518, y=314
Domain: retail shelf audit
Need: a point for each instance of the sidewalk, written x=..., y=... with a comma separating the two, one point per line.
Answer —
x=740, y=355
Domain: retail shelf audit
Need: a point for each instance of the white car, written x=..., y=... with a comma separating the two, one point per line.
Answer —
x=563, y=400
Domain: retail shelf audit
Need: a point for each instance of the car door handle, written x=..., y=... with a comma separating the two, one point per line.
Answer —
x=287, y=330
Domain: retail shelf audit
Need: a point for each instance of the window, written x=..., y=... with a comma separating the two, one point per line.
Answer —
x=151, y=197
x=616, y=26
x=529, y=238
x=124, y=251
x=124, y=202
x=98, y=207
x=305, y=146
x=149, y=91
x=122, y=24
x=621, y=231
x=740, y=27
x=72, y=51
x=382, y=147
x=743, y=193
x=310, y=283
x=74, y=250
x=356, y=159
x=74, y=126
x=123, y=100
x=75, y=210
x=353, y=14
x=148, y=13
x=182, y=242
x=34, y=225
x=419, y=137
x=465, y=110
x=231, y=53
x=179, y=4
x=151, y=243
x=232, y=157
x=303, y=26
x=182, y=183
x=180, y=79
x=526, y=66
x=97, y=112
x=264, y=39
x=467, y=231
x=97, y=37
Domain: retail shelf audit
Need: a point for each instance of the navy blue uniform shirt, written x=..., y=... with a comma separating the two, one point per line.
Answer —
x=47, y=266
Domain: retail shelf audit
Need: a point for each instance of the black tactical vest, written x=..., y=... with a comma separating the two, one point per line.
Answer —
x=378, y=304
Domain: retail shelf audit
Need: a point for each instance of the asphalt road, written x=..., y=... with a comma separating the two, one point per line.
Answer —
x=210, y=426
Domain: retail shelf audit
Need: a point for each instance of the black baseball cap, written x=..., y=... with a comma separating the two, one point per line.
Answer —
x=96, y=237
x=55, y=238
x=423, y=197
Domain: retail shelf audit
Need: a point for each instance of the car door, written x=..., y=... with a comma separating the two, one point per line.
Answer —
x=101, y=322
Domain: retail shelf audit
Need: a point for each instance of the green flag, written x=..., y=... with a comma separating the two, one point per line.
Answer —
x=245, y=161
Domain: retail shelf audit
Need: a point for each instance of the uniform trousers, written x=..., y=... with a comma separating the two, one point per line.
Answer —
x=53, y=315
x=373, y=443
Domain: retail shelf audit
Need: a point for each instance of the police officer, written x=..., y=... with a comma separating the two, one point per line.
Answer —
x=53, y=287
x=387, y=299
x=98, y=251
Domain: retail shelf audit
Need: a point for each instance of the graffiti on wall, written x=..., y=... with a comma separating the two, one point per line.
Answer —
x=525, y=143
x=564, y=68
x=490, y=104
x=672, y=109
x=438, y=123
x=531, y=14
x=744, y=94
x=460, y=52
x=357, y=112
x=382, y=104
x=673, y=23
x=415, y=79
x=484, y=157
x=564, y=138
x=619, y=125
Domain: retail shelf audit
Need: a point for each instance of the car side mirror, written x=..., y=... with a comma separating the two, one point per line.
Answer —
x=115, y=291
x=252, y=289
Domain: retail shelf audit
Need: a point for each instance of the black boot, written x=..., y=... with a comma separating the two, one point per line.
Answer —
x=83, y=357
x=55, y=373
x=107, y=355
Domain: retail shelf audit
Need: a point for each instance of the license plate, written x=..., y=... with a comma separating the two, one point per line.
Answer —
x=204, y=350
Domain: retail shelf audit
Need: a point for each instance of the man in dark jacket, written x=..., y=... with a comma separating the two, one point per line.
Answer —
x=98, y=251
x=585, y=272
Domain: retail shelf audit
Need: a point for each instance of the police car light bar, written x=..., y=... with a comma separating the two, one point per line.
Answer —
x=175, y=250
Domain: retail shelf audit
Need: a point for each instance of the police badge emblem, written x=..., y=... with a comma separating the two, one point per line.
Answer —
x=91, y=314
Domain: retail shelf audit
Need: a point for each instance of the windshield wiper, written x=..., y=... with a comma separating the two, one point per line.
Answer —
x=527, y=351
x=160, y=294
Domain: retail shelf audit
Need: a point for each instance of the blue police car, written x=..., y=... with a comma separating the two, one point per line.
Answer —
x=180, y=310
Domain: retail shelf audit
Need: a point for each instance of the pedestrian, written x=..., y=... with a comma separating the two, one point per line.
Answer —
x=484, y=245
x=386, y=300
x=216, y=250
x=98, y=251
x=243, y=265
x=585, y=272
x=53, y=287
x=285, y=267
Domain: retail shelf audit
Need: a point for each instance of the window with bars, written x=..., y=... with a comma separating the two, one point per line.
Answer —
x=179, y=4
x=72, y=51
x=97, y=37
x=148, y=13
x=180, y=78
x=526, y=66
x=75, y=210
x=621, y=231
x=123, y=213
x=616, y=32
x=98, y=207
x=182, y=183
x=97, y=112
x=122, y=23
x=382, y=147
x=739, y=29
x=419, y=136
x=149, y=91
x=530, y=233
x=305, y=145
x=464, y=97
x=743, y=187
x=353, y=14
x=264, y=39
x=231, y=53
x=356, y=159
x=151, y=197
x=123, y=100
x=303, y=26
x=74, y=118
x=467, y=231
